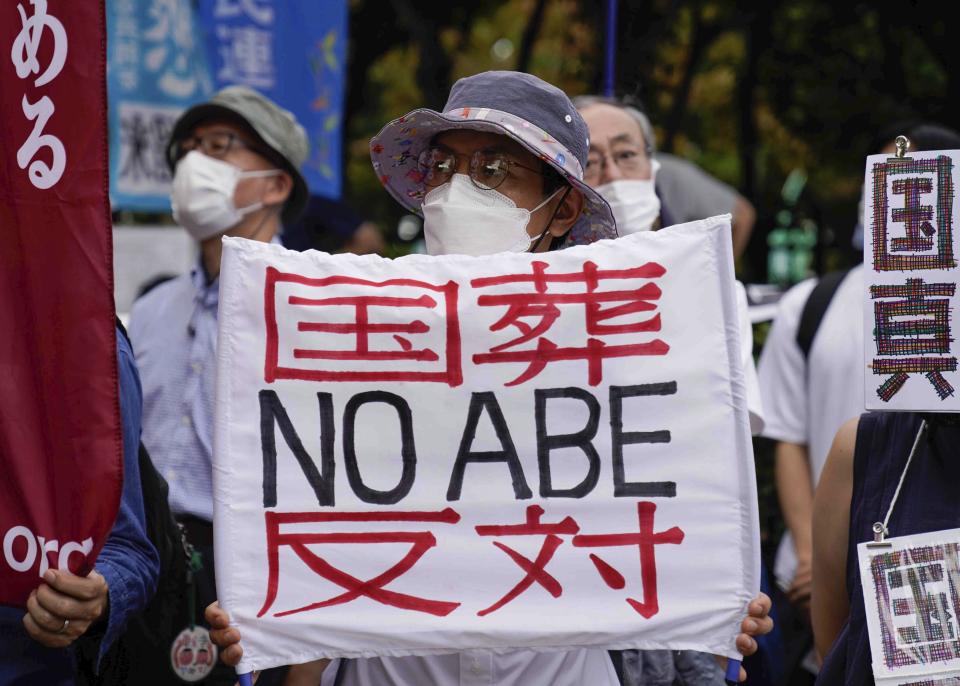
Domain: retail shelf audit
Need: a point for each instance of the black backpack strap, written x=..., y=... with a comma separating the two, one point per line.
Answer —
x=616, y=657
x=816, y=306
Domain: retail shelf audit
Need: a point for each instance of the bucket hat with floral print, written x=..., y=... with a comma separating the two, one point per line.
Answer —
x=529, y=110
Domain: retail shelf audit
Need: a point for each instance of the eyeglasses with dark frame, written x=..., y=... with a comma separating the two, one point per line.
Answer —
x=627, y=160
x=214, y=143
x=487, y=169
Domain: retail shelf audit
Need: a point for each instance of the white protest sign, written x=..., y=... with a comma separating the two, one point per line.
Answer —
x=428, y=454
x=910, y=592
x=910, y=311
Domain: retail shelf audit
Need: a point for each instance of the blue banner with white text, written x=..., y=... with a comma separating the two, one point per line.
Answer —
x=165, y=55
x=294, y=53
x=156, y=67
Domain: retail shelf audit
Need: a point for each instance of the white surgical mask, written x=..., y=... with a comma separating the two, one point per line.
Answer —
x=634, y=202
x=202, y=195
x=461, y=219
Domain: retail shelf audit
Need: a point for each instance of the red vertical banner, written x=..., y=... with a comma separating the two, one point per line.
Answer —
x=60, y=444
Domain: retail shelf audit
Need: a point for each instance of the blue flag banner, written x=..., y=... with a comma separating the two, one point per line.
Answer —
x=156, y=67
x=294, y=53
x=165, y=55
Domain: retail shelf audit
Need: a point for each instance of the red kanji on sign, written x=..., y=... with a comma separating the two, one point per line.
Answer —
x=543, y=308
x=420, y=542
x=355, y=329
x=645, y=539
x=535, y=569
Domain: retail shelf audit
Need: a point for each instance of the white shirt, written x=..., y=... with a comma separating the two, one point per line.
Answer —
x=580, y=667
x=807, y=400
x=174, y=333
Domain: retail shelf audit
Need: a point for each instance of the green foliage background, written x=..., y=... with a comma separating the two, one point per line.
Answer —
x=749, y=91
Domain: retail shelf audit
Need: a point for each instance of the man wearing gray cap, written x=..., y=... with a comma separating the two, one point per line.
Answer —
x=235, y=162
x=500, y=169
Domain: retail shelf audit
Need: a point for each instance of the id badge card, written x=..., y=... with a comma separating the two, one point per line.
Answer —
x=911, y=591
x=193, y=655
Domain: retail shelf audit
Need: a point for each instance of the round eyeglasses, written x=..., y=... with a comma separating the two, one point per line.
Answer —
x=487, y=170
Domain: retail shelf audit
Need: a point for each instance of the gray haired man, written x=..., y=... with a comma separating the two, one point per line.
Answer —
x=648, y=189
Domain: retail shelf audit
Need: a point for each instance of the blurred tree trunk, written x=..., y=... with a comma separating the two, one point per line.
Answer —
x=640, y=30
x=530, y=34
x=375, y=22
x=701, y=37
x=434, y=67
x=895, y=80
x=756, y=39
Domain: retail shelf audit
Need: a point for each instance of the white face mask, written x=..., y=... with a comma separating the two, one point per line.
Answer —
x=202, y=195
x=634, y=202
x=461, y=219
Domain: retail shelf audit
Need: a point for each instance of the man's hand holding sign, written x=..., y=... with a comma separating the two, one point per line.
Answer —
x=525, y=458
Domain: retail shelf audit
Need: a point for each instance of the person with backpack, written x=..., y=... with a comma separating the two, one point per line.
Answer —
x=811, y=383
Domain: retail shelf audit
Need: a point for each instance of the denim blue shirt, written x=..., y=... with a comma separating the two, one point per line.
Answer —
x=174, y=334
x=128, y=560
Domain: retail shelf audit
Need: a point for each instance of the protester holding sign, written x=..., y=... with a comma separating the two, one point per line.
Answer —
x=485, y=187
x=858, y=485
x=885, y=513
x=811, y=380
x=236, y=161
